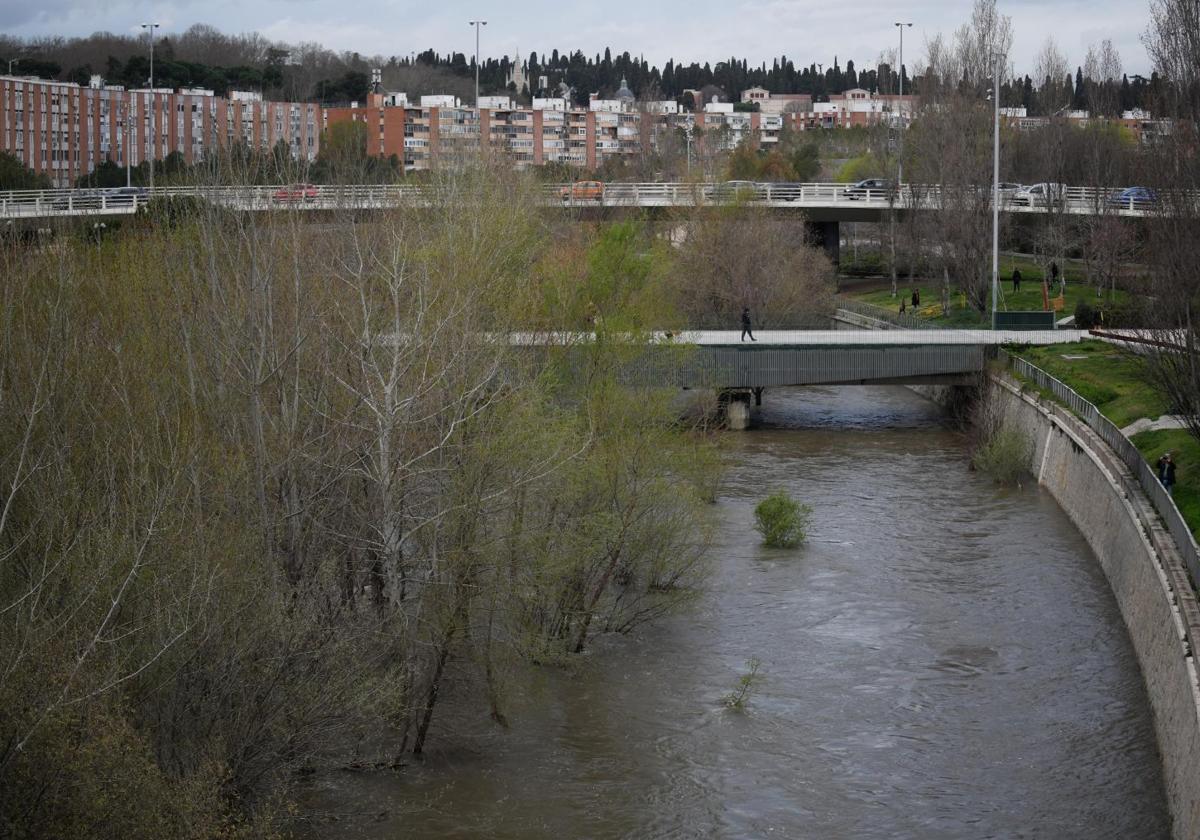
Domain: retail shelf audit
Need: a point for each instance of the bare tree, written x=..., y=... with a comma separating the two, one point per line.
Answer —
x=739, y=256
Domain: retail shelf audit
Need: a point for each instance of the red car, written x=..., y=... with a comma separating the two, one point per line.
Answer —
x=296, y=192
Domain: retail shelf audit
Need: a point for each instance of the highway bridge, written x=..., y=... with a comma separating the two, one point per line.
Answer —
x=819, y=202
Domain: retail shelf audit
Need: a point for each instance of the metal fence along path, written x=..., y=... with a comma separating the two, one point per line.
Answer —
x=1125, y=450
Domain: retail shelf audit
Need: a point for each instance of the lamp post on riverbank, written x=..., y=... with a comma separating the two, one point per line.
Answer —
x=998, y=57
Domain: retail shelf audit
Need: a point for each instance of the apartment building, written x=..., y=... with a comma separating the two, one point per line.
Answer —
x=64, y=130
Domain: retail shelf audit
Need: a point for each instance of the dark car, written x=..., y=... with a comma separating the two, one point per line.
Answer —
x=126, y=196
x=868, y=188
x=1134, y=198
x=77, y=200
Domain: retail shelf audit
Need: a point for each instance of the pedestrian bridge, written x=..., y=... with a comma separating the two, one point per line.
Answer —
x=721, y=360
x=818, y=202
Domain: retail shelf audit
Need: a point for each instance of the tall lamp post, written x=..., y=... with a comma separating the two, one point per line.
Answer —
x=11, y=62
x=477, y=24
x=153, y=105
x=996, y=187
x=894, y=194
x=900, y=105
x=126, y=125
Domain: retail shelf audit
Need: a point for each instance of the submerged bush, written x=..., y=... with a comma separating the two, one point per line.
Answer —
x=1004, y=455
x=782, y=521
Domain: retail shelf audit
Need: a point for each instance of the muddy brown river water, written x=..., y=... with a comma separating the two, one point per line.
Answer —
x=943, y=659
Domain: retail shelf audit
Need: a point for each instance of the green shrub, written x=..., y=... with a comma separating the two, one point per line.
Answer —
x=1004, y=455
x=740, y=696
x=1085, y=315
x=782, y=521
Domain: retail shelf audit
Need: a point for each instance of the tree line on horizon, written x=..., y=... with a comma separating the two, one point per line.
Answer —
x=203, y=57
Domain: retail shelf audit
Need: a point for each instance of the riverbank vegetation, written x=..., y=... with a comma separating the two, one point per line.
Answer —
x=998, y=447
x=272, y=489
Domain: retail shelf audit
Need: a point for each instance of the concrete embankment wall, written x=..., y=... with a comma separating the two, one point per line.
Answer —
x=1103, y=499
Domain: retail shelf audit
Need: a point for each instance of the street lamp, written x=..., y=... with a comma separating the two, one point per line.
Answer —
x=687, y=133
x=477, y=24
x=153, y=108
x=996, y=186
x=126, y=125
x=900, y=105
x=11, y=62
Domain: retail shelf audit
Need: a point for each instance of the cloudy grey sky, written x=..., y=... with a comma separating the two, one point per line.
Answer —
x=702, y=30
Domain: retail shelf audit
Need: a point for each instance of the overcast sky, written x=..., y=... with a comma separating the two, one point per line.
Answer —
x=701, y=30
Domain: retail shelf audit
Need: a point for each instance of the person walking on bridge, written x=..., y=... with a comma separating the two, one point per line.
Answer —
x=746, y=324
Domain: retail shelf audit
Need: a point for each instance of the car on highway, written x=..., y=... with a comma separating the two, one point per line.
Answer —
x=583, y=191
x=77, y=200
x=1040, y=195
x=1134, y=198
x=1008, y=189
x=736, y=191
x=868, y=188
x=781, y=190
x=295, y=192
x=126, y=196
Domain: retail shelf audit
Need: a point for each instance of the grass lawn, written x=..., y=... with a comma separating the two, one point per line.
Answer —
x=960, y=315
x=1113, y=381
x=1185, y=450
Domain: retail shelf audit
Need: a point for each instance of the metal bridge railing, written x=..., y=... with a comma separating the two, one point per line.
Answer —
x=880, y=313
x=1125, y=450
x=87, y=201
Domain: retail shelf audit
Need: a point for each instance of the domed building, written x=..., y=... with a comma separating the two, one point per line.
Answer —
x=624, y=94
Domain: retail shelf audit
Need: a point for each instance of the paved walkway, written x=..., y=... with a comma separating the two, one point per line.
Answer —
x=1145, y=424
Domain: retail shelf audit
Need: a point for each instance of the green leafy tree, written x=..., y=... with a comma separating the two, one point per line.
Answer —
x=14, y=175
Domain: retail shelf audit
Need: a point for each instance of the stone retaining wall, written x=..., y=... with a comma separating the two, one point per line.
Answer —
x=1144, y=569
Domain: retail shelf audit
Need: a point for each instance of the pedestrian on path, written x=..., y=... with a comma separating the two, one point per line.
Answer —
x=1166, y=471
x=916, y=298
x=1054, y=275
x=746, y=324
x=1016, y=279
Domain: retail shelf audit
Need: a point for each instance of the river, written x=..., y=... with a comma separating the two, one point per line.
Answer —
x=943, y=659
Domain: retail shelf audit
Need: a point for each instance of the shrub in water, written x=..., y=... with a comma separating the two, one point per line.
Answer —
x=1005, y=455
x=782, y=521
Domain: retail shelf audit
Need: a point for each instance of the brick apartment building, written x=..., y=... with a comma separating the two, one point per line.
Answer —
x=65, y=130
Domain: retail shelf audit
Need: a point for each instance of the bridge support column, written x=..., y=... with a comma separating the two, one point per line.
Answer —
x=735, y=405
x=828, y=236
x=737, y=415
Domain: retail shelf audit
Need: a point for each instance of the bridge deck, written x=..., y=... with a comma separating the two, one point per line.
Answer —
x=720, y=360
x=802, y=339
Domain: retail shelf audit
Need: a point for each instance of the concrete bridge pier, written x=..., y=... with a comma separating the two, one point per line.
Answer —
x=735, y=406
x=828, y=236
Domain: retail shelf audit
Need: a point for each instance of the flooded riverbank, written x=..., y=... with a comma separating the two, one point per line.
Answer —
x=942, y=659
